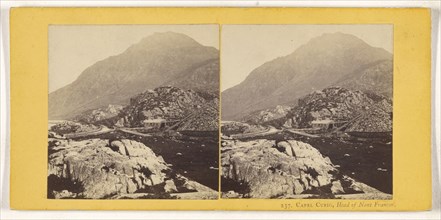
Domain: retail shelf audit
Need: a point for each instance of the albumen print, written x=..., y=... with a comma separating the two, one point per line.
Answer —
x=306, y=111
x=133, y=112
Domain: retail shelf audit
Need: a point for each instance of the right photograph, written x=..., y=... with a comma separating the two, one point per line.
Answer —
x=306, y=111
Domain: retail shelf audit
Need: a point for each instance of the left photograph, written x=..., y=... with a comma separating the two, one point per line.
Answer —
x=133, y=112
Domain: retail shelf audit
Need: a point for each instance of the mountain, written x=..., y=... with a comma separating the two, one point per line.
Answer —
x=193, y=110
x=374, y=77
x=201, y=77
x=160, y=59
x=327, y=60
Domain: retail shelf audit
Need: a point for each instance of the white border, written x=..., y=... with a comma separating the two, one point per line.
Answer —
x=6, y=213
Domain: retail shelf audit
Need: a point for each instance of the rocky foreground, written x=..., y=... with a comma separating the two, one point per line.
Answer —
x=115, y=169
x=289, y=169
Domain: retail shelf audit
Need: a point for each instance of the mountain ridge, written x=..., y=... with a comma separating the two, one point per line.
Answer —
x=312, y=66
x=154, y=61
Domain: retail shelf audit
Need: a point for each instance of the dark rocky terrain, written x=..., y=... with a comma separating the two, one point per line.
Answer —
x=368, y=161
x=160, y=59
x=327, y=60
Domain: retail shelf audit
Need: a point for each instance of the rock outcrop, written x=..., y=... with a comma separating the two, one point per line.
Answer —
x=288, y=169
x=103, y=170
x=378, y=118
x=338, y=104
x=203, y=119
x=100, y=169
x=194, y=110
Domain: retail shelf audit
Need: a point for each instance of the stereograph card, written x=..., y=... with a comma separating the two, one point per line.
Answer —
x=220, y=109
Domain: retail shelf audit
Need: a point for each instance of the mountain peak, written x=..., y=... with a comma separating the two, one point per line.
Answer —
x=337, y=40
x=337, y=36
x=165, y=40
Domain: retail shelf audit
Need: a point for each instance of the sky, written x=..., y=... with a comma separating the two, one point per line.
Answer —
x=73, y=48
x=246, y=47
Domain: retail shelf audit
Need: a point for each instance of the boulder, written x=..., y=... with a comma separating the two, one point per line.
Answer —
x=170, y=186
x=286, y=148
x=103, y=170
x=119, y=146
x=64, y=194
x=337, y=188
x=271, y=173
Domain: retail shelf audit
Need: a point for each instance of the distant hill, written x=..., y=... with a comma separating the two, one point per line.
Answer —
x=100, y=115
x=327, y=60
x=262, y=117
x=157, y=60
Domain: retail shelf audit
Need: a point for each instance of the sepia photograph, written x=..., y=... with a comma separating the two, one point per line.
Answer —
x=225, y=109
x=306, y=111
x=133, y=112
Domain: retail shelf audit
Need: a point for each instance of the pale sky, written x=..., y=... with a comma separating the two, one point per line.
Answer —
x=73, y=48
x=246, y=47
